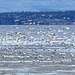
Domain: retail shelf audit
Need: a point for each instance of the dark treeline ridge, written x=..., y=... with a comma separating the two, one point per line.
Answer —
x=38, y=18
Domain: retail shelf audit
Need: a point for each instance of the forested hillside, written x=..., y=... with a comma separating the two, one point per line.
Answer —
x=38, y=18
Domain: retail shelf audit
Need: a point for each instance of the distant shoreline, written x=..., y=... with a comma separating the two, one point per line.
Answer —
x=38, y=18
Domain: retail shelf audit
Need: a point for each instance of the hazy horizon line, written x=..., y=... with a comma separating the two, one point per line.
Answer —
x=38, y=11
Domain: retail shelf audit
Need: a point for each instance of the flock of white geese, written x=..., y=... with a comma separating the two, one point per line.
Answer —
x=37, y=43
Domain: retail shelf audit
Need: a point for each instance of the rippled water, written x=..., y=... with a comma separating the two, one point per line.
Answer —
x=37, y=50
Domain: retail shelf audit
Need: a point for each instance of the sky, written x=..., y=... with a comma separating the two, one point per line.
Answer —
x=36, y=5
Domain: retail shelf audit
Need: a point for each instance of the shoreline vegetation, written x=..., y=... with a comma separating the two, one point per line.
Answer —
x=38, y=18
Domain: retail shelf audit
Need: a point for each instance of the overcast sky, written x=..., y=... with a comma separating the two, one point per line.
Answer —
x=36, y=5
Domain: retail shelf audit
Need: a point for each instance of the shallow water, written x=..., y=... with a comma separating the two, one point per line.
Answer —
x=37, y=50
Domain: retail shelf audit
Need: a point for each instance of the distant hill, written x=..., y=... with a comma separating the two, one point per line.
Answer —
x=38, y=18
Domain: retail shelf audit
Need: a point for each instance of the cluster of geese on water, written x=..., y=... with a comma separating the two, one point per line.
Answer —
x=37, y=43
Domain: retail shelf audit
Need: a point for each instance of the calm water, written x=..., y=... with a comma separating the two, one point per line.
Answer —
x=37, y=50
